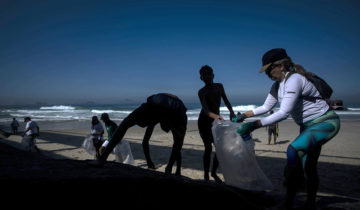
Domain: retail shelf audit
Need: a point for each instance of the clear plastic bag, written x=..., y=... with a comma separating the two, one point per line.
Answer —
x=237, y=161
x=88, y=145
x=123, y=152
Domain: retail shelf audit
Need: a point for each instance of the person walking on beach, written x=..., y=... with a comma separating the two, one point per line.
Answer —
x=318, y=122
x=32, y=131
x=97, y=132
x=210, y=97
x=163, y=108
x=273, y=130
x=14, y=126
x=109, y=125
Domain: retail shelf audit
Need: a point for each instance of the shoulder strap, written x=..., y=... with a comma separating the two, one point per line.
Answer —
x=275, y=88
x=289, y=74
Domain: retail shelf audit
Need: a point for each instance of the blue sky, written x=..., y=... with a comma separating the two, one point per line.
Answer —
x=70, y=52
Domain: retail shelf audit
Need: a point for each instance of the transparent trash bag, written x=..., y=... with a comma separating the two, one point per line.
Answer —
x=237, y=160
x=122, y=150
x=123, y=153
x=88, y=145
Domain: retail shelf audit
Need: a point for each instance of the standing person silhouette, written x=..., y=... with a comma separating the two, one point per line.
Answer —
x=14, y=126
x=97, y=132
x=32, y=131
x=109, y=125
x=210, y=97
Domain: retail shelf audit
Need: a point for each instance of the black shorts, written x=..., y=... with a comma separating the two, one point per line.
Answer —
x=272, y=131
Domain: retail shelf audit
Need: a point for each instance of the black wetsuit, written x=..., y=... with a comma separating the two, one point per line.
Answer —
x=166, y=109
x=210, y=98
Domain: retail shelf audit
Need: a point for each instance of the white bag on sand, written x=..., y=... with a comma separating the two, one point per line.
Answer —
x=123, y=153
x=88, y=145
x=238, y=164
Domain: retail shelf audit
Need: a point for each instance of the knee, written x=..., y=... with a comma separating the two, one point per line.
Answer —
x=208, y=148
x=292, y=157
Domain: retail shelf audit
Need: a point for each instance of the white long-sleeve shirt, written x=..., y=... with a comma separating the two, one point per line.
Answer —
x=32, y=126
x=290, y=94
x=97, y=128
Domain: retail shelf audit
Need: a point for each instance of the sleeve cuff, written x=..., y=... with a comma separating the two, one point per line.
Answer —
x=105, y=143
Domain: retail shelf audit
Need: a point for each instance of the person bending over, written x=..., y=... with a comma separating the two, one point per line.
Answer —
x=163, y=108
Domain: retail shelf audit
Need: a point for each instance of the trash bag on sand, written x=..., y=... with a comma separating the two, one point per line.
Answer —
x=122, y=150
x=123, y=153
x=238, y=164
x=88, y=145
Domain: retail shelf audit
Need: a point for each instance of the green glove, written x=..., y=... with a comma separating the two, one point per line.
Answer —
x=247, y=128
x=239, y=118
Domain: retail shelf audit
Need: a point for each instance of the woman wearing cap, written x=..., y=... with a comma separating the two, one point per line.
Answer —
x=318, y=122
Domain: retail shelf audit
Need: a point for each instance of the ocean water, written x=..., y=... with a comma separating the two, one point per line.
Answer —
x=117, y=112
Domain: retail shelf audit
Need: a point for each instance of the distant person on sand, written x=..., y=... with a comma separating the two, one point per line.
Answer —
x=32, y=131
x=97, y=132
x=210, y=97
x=318, y=123
x=109, y=125
x=163, y=108
x=14, y=126
x=273, y=130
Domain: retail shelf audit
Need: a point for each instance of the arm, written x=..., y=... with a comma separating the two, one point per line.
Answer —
x=293, y=90
x=269, y=103
x=227, y=103
x=27, y=128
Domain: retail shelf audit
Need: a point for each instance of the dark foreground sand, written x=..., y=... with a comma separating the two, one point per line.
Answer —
x=338, y=165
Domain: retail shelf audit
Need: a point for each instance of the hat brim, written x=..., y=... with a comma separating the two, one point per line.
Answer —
x=264, y=67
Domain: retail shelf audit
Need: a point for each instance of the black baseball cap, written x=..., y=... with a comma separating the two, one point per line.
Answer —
x=272, y=56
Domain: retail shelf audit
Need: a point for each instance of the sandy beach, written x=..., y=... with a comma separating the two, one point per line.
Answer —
x=338, y=165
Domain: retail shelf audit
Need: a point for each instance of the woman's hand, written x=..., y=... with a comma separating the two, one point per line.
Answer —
x=247, y=128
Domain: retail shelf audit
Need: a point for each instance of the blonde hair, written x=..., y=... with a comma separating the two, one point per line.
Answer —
x=291, y=66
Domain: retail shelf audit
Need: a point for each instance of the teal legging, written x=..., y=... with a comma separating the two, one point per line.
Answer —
x=314, y=134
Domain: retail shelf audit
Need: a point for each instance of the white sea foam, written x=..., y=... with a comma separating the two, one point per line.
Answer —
x=109, y=111
x=58, y=107
x=239, y=108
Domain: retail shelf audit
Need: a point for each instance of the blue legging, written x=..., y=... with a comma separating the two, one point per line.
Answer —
x=315, y=134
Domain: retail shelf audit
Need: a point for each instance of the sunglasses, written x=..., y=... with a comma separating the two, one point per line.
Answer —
x=270, y=68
